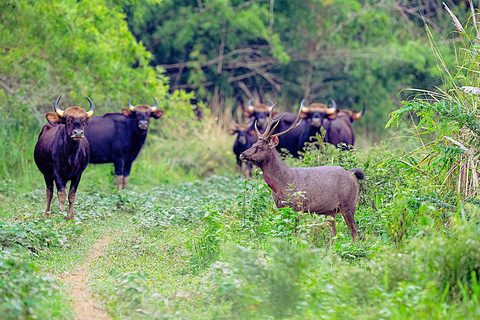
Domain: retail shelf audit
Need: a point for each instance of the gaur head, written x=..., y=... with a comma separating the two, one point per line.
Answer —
x=142, y=113
x=243, y=131
x=263, y=150
x=74, y=119
x=345, y=113
x=315, y=112
x=259, y=113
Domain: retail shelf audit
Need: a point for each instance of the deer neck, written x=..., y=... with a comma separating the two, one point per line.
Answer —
x=276, y=173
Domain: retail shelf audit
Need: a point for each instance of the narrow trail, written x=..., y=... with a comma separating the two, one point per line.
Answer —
x=85, y=305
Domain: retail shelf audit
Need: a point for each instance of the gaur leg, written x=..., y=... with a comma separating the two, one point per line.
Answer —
x=126, y=173
x=349, y=219
x=239, y=166
x=49, y=183
x=62, y=196
x=119, y=180
x=119, y=164
x=125, y=181
x=249, y=170
x=71, y=197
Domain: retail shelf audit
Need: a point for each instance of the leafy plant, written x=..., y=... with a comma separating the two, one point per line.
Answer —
x=26, y=294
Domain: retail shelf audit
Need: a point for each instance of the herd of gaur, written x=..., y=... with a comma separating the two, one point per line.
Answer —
x=73, y=137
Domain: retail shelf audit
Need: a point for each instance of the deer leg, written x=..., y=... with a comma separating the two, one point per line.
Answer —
x=350, y=220
x=332, y=223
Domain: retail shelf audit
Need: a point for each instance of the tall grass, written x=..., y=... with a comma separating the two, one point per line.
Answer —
x=16, y=151
x=451, y=114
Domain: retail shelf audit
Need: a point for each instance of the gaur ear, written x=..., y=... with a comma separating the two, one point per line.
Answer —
x=231, y=131
x=126, y=112
x=157, y=114
x=274, y=141
x=248, y=113
x=356, y=115
x=53, y=119
x=252, y=132
x=332, y=116
x=303, y=115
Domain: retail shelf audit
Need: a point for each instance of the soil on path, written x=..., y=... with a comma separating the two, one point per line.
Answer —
x=85, y=305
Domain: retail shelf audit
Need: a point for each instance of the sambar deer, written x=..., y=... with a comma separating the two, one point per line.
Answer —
x=325, y=190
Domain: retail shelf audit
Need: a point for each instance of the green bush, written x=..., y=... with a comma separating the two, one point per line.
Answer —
x=26, y=295
x=260, y=286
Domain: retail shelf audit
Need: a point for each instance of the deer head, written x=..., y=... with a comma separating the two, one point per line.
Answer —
x=263, y=150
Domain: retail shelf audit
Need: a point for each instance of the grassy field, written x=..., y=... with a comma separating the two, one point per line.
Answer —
x=215, y=246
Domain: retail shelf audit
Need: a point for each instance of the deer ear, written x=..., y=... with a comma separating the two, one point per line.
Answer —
x=126, y=112
x=53, y=119
x=274, y=141
x=157, y=114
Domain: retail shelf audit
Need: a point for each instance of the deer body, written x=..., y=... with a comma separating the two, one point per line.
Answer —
x=325, y=190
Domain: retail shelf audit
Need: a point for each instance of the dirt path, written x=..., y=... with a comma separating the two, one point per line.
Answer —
x=86, y=306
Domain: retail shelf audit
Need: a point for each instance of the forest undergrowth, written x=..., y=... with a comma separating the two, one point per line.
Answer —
x=219, y=248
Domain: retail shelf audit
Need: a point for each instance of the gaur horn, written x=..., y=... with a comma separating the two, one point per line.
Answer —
x=333, y=109
x=302, y=106
x=92, y=107
x=57, y=108
x=250, y=106
x=362, y=112
x=130, y=104
x=358, y=115
x=156, y=105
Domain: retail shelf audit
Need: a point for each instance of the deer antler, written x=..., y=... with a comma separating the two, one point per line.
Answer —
x=269, y=130
x=295, y=124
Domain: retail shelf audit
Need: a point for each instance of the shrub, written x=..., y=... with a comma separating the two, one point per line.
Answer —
x=26, y=295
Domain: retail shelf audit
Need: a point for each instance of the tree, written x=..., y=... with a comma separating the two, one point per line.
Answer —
x=218, y=48
x=76, y=48
x=356, y=52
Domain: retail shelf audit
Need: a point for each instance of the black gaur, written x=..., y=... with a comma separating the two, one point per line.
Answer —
x=118, y=137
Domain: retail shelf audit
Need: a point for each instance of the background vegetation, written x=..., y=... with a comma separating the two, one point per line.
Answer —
x=192, y=240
